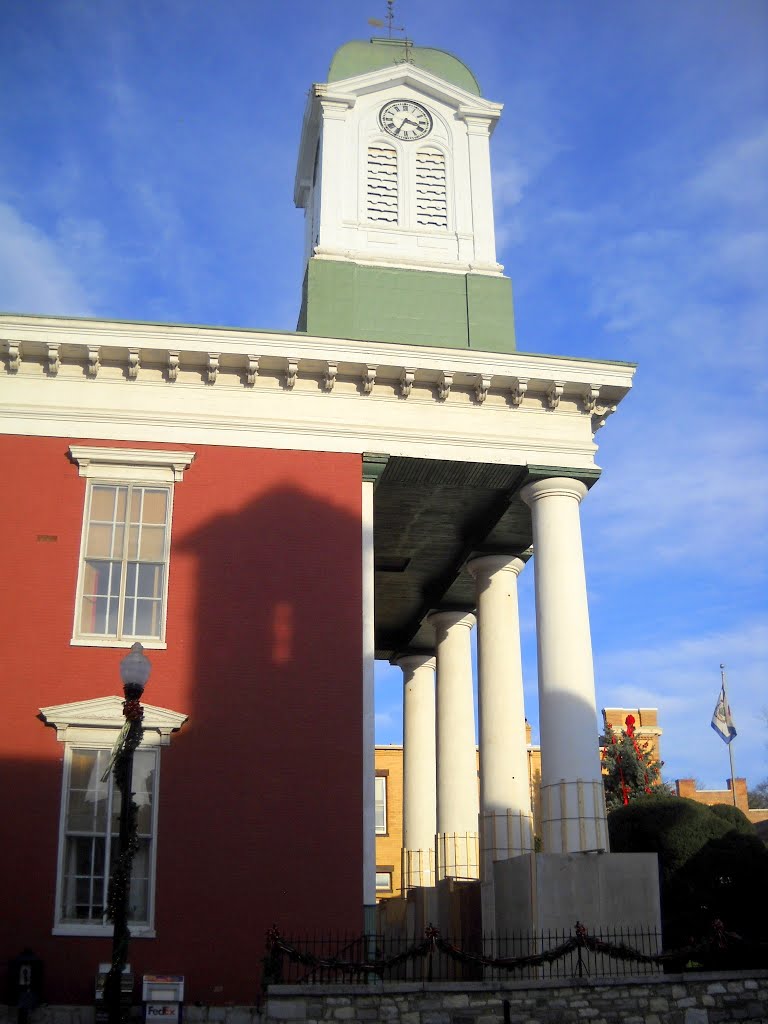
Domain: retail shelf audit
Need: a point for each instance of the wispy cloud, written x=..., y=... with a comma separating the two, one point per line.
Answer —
x=36, y=273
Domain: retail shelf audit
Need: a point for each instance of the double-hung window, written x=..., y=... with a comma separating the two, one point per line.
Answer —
x=90, y=812
x=125, y=550
x=90, y=828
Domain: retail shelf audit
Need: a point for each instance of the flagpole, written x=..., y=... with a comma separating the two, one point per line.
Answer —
x=730, y=745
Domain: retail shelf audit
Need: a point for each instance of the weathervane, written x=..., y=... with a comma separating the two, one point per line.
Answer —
x=390, y=19
x=391, y=27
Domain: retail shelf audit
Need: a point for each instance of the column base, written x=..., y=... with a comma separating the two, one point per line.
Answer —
x=457, y=856
x=418, y=869
x=543, y=891
x=505, y=834
x=573, y=818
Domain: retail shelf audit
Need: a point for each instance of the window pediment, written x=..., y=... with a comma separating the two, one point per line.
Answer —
x=79, y=719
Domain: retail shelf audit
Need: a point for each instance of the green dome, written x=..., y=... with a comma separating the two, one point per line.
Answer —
x=359, y=56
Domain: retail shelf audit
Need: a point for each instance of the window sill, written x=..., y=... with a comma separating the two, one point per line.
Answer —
x=100, y=931
x=110, y=641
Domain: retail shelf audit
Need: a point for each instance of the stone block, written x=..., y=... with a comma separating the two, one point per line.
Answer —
x=287, y=1009
x=696, y=1016
x=455, y=1001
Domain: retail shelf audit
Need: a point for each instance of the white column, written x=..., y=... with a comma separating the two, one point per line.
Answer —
x=572, y=801
x=419, y=767
x=457, y=800
x=369, y=735
x=506, y=828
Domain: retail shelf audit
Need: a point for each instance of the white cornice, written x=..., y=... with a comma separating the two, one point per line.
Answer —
x=154, y=383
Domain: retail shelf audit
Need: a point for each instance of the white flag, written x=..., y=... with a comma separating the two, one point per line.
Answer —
x=722, y=722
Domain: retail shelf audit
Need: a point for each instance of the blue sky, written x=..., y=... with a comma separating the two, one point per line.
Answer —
x=148, y=154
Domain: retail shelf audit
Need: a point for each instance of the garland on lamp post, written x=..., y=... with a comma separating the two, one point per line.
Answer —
x=134, y=670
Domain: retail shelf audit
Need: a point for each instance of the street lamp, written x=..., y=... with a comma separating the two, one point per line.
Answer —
x=134, y=672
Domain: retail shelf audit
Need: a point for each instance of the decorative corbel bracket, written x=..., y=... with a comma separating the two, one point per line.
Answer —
x=54, y=359
x=94, y=360
x=212, y=367
x=14, y=356
x=444, y=385
x=133, y=363
x=482, y=387
x=329, y=378
x=517, y=392
x=600, y=415
x=291, y=372
x=590, y=396
x=369, y=379
x=407, y=377
x=173, y=366
x=554, y=394
x=251, y=370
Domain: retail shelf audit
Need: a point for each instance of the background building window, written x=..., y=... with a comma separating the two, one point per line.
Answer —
x=90, y=826
x=380, y=804
x=383, y=880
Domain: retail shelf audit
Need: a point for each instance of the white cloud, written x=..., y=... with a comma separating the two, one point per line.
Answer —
x=36, y=274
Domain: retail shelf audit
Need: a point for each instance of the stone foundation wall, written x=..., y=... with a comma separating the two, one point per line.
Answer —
x=663, y=999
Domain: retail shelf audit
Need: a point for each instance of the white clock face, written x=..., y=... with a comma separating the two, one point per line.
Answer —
x=405, y=120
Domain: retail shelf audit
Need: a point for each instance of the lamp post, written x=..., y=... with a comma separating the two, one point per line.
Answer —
x=134, y=672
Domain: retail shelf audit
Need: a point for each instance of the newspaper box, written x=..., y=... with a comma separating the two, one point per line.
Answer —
x=163, y=995
x=126, y=992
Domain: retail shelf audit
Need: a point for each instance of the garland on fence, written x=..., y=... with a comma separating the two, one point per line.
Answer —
x=432, y=942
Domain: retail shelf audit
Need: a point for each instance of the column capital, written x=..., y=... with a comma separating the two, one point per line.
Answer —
x=488, y=565
x=566, y=487
x=446, y=619
x=410, y=663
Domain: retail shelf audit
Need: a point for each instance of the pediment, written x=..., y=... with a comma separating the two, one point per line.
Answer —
x=408, y=74
x=107, y=713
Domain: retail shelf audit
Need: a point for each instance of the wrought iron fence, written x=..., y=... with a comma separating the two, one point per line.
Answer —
x=576, y=953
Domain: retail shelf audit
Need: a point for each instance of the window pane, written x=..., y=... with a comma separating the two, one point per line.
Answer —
x=152, y=544
x=108, y=504
x=105, y=541
x=155, y=507
x=384, y=880
x=88, y=795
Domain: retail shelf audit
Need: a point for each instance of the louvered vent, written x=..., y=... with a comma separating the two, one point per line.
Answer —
x=431, y=194
x=382, y=184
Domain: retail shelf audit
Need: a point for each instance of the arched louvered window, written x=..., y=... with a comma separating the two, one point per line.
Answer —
x=381, y=203
x=431, y=192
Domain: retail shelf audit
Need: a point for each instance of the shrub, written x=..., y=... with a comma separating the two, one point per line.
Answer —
x=711, y=863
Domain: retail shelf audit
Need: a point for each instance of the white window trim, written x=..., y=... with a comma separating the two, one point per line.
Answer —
x=95, y=724
x=385, y=801
x=126, y=466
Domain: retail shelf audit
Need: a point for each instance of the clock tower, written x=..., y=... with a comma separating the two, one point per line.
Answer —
x=395, y=182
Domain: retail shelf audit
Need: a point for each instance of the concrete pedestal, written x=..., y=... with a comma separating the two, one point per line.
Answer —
x=542, y=891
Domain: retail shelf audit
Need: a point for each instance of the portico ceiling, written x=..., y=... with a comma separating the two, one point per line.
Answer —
x=430, y=518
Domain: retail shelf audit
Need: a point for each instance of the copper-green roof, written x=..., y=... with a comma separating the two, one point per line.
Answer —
x=362, y=55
